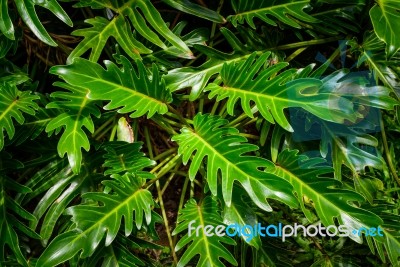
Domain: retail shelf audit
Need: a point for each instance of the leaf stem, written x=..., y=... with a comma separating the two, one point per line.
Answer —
x=388, y=157
x=166, y=223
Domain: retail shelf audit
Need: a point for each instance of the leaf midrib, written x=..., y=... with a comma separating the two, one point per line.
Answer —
x=216, y=152
x=104, y=218
x=120, y=86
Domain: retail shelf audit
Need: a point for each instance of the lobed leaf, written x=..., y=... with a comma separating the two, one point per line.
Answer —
x=76, y=110
x=126, y=89
x=226, y=153
x=210, y=248
x=286, y=11
x=127, y=200
x=13, y=105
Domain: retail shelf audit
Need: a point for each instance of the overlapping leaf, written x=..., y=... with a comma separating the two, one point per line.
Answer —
x=76, y=110
x=126, y=89
x=26, y=9
x=127, y=200
x=309, y=180
x=373, y=54
x=391, y=233
x=196, y=10
x=138, y=12
x=10, y=224
x=197, y=77
x=241, y=213
x=385, y=18
x=210, y=248
x=122, y=157
x=285, y=11
x=95, y=38
x=226, y=153
x=13, y=105
x=272, y=92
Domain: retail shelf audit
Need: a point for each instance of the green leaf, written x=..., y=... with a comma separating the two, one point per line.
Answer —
x=122, y=157
x=26, y=9
x=196, y=10
x=138, y=12
x=198, y=77
x=286, y=11
x=127, y=200
x=385, y=18
x=226, y=153
x=210, y=248
x=127, y=89
x=241, y=213
x=13, y=104
x=9, y=224
x=95, y=38
x=308, y=178
x=76, y=110
x=66, y=186
x=6, y=26
x=272, y=93
x=373, y=55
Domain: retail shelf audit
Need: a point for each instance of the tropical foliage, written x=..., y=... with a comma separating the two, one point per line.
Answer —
x=128, y=136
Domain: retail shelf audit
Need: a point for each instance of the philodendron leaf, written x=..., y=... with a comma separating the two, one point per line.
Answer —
x=139, y=12
x=210, y=248
x=126, y=89
x=227, y=153
x=95, y=38
x=308, y=178
x=286, y=11
x=127, y=200
x=272, y=92
x=196, y=10
x=26, y=9
x=10, y=224
x=76, y=110
x=385, y=18
x=241, y=213
x=13, y=104
x=122, y=157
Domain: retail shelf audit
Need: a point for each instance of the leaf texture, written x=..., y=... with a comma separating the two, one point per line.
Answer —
x=226, y=153
x=127, y=200
x=126, y=89
x=13, y=105
x=210, y=248
x=77, y=110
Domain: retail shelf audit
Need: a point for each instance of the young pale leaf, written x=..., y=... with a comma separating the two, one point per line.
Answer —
x=385, y=18
x=210, y=248
x=13, y=104
x=76, y=110
x=226, y=153
x=96, y=37
x=272, y=93
x=127, y=89
x=329, y=200
x=286, y=11
x=138, y=12
x=127, y=200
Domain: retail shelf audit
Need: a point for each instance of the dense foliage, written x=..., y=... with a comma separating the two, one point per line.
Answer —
x=123, y=124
